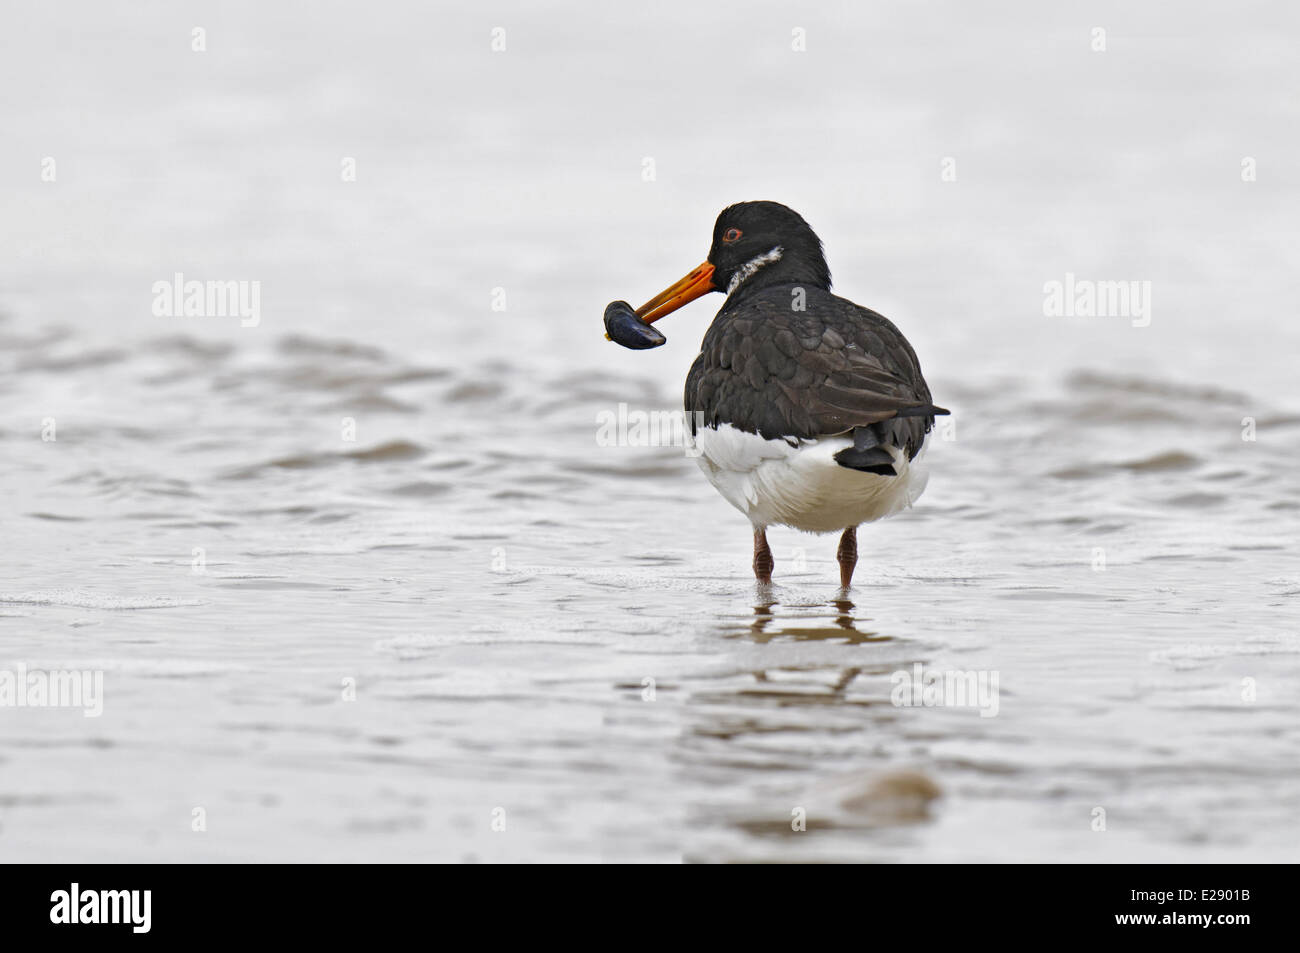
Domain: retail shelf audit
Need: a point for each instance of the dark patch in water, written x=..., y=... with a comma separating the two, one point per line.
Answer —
x=271, y=584
x=1161, y=462
x=1170, y=461
x=421, y=488
x=473, y=392
x=393, y=450
x=372, y=402
x=1197, y=500
x=1115, y=384
x=330, y=518
x=324, y=347
x=187, y=346
x=101, y=358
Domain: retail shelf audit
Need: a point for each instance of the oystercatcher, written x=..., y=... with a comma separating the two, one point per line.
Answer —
x=808, y=410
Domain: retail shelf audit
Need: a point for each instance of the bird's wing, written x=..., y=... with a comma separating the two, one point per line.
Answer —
x=806, y=374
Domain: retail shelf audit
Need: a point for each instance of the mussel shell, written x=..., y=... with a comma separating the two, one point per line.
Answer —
x=625, y=328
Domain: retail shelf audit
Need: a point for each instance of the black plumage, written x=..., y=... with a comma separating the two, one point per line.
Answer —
x=833, y=367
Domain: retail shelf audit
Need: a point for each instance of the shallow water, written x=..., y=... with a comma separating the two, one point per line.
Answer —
x=500, y=586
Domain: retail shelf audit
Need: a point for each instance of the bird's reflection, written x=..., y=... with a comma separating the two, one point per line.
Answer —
x=843, y=625
x=777, y=688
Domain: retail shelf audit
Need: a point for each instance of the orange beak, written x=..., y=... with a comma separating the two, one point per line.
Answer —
x=695, y=285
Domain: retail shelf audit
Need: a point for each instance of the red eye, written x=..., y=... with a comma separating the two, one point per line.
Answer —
x=731, y=235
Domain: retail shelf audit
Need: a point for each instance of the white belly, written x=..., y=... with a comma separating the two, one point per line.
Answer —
x=774, y=483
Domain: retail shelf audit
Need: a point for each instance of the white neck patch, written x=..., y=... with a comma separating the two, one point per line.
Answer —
x=745, y=271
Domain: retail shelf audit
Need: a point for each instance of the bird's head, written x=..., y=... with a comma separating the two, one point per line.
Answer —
x=755, y=245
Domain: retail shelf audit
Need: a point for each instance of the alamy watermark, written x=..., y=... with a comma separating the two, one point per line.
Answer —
x=921, y=688
x=647, y=428
x=1085, y=298
x=179, y=298
x=59, y=688
x=127, y=907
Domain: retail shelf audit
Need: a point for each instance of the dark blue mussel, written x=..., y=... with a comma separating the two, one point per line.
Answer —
x=622, y=326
